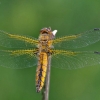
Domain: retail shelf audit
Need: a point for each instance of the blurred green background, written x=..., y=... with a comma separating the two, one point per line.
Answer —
x=68, y=17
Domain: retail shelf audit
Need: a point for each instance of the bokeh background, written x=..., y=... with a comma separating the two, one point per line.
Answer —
x=68, y=17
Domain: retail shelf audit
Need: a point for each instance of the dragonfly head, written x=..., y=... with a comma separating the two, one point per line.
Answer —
x=45, y=31
x=49, y=32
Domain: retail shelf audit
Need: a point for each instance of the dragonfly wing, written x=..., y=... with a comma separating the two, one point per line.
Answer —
x=17, y=58
x=74, y=60
x=78, y=41
x=16, y=41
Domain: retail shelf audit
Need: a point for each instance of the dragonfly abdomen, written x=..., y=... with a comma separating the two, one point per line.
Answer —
x=41, y=71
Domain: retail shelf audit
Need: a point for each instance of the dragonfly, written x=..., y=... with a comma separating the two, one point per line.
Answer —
x=19, y=51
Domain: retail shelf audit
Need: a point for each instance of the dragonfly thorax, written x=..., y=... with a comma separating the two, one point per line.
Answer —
x=45, y=39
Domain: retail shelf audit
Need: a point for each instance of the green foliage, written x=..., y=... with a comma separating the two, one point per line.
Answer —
x=68, y=17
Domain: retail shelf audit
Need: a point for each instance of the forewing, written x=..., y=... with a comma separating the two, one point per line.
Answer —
x=77, y=41
x=74, y=60
x=17, y=58
x=16, y=41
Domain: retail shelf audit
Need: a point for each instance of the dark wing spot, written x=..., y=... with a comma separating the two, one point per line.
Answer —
x=96, y=52
x=96, y=29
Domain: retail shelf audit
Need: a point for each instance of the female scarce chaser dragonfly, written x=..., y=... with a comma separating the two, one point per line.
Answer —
x=24, y=51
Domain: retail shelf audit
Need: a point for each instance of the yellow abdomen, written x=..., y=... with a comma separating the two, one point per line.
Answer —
x=41, y=71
